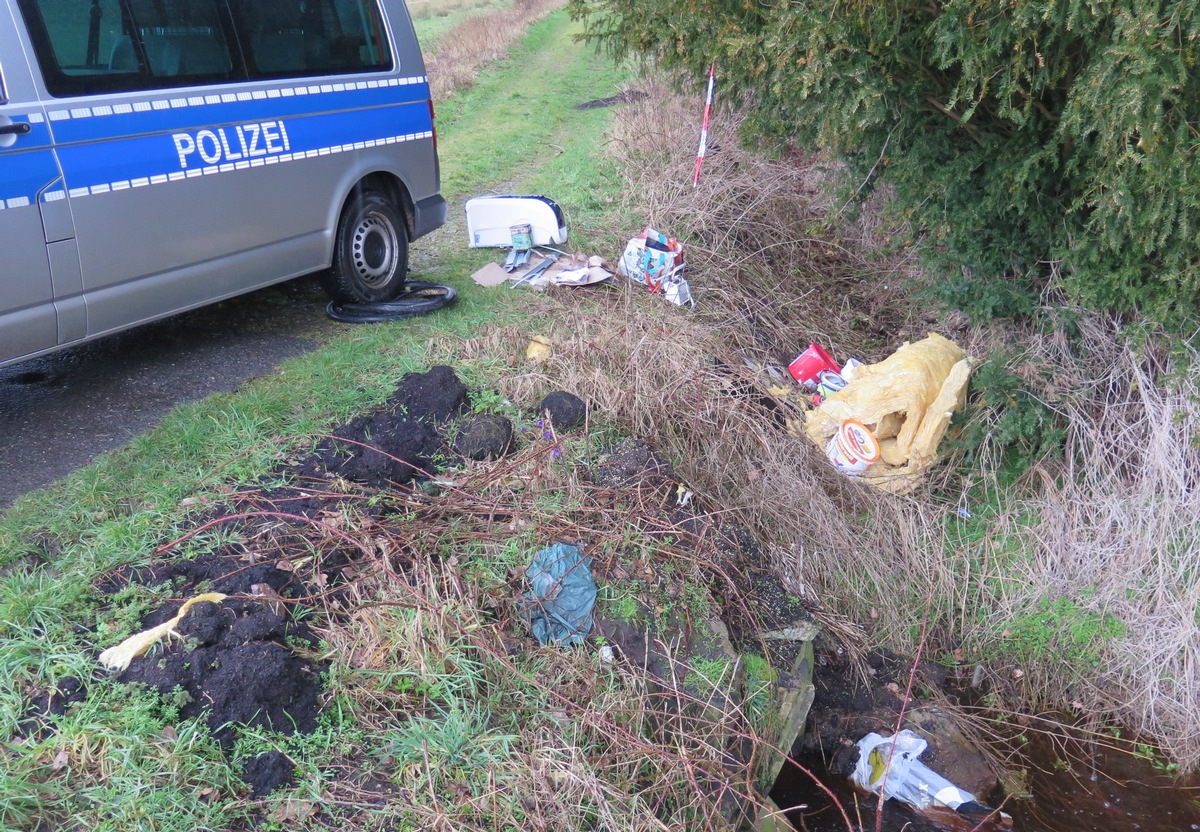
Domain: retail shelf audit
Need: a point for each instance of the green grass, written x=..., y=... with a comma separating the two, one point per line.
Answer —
x=1060, y=627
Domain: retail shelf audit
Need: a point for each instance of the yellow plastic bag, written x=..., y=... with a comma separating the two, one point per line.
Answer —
x=906, y=401
x=119, y=657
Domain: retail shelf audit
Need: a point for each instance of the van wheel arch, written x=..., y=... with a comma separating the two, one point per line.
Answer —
x=369, y=263
x=392, y=187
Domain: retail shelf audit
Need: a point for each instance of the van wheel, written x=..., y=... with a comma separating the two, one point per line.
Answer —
x=370, y=254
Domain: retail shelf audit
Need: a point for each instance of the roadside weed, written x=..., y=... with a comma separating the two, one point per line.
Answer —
x=1058, y=627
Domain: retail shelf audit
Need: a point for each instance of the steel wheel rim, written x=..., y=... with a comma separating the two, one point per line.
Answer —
x=374, y=250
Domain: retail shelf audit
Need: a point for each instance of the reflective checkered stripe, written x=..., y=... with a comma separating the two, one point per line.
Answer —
x=142, y=143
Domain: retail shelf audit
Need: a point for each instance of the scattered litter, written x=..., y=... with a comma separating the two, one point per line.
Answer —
x=808, y=366
x=573, y=277
x=554, y=269
x=492, y=274
x=522, y=236
x=539, y=349
x=119, y=657
x=657, y=261
x=606, y=654
x=890, y=765
x=964, y=513
x=538, y=270
x=418, y=297
x=491, y=221
x=828, y=383
x=517, y=258
x=683, y=495
x=562, y=594
x=905, y=401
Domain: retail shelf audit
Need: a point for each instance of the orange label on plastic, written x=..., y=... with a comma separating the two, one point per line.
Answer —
x=859, y=441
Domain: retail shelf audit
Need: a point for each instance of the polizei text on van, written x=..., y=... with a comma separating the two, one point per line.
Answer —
x=230, y=144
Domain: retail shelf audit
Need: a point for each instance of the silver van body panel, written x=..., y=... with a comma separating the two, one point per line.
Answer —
x=160, y=201
x=28, y=321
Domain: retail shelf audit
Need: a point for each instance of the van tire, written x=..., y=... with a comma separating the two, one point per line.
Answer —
x=370, y=252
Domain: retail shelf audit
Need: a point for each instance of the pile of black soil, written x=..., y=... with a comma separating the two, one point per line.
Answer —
x=486, y=436
x=243, y=662
x=238, y=663
x=565, y=410
x=234, y=663
x=399, y=442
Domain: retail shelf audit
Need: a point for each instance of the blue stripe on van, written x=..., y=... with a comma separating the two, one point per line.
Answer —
x=23, y=174
x=229, y=145
x=221, y=106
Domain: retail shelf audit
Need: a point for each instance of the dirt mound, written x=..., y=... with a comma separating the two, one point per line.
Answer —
x=566, y=410
x=487, y=436
x=397, y=443
x=233, y=666
x=229, y=571
x=235, y=663
x=633, y=463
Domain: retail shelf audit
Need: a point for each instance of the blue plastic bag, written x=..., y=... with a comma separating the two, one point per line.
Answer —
x=558, y=606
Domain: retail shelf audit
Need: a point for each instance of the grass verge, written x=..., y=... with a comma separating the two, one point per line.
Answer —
x=477, y=40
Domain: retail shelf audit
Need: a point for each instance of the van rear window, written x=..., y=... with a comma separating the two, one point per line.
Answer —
x=318, y=37
x=94, y=46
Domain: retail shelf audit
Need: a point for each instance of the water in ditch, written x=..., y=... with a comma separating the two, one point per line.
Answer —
x=1068, y=787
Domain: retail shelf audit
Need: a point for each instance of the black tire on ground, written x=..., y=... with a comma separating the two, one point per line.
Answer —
x=370, y=252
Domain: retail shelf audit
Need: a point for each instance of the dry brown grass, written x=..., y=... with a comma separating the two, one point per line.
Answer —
x=1118, y=527
x=765, y=284
x=655, y=372
x=478, y=41
x=762, y=253
x=482, y=729
x=1114, y=530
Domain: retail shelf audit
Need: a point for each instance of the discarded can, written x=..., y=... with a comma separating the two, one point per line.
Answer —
x=807, y=366
x=828, y=383
x=522, y=236
x=853, y=448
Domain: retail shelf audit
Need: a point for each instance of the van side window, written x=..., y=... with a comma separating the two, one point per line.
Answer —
x=92, y=46
x=287, y=38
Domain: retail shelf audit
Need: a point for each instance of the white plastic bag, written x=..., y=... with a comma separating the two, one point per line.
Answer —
x=655, y=260
x=891, y=764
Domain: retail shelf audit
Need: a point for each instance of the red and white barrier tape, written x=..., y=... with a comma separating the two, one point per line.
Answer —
x=708, y=99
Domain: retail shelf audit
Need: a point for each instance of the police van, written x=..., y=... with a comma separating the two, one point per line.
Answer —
x=159, y=155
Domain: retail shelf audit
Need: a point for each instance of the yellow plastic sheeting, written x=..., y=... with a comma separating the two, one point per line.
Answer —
x=119, y=657
x=907, y=401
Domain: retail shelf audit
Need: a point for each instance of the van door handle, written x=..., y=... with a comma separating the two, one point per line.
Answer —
x=17, y=128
